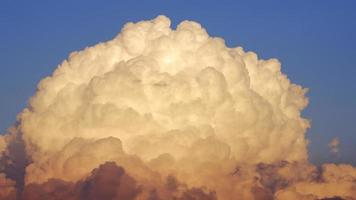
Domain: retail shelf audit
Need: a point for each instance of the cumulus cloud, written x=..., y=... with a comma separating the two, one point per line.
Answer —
x=7, y=188
x=108, y=182
x=185, y=116
x=152, y=84
x=111, y=182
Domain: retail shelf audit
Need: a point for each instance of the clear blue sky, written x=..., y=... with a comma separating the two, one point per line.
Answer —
x=314, y=39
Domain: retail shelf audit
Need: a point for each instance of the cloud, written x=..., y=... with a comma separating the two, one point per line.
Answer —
x=334, y=145
x=7, y=188
x=183, y=115
x=108, y=182
x=152, y=84
x=111, y=182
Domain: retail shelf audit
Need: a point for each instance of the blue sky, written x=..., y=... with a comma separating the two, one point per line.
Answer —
x=315, y=41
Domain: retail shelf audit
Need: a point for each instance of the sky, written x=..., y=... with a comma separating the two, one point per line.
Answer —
x=314, y=40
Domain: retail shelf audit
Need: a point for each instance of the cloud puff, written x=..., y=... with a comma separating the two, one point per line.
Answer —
x=152, y=84
x=165, y=102
x=7, y=188
x=108, y=182
x=334, y=145
x=111, y=182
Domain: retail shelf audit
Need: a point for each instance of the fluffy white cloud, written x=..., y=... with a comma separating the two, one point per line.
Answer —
x=163, y=102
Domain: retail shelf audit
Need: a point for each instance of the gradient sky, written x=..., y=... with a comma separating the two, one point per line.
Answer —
x=315, y=41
